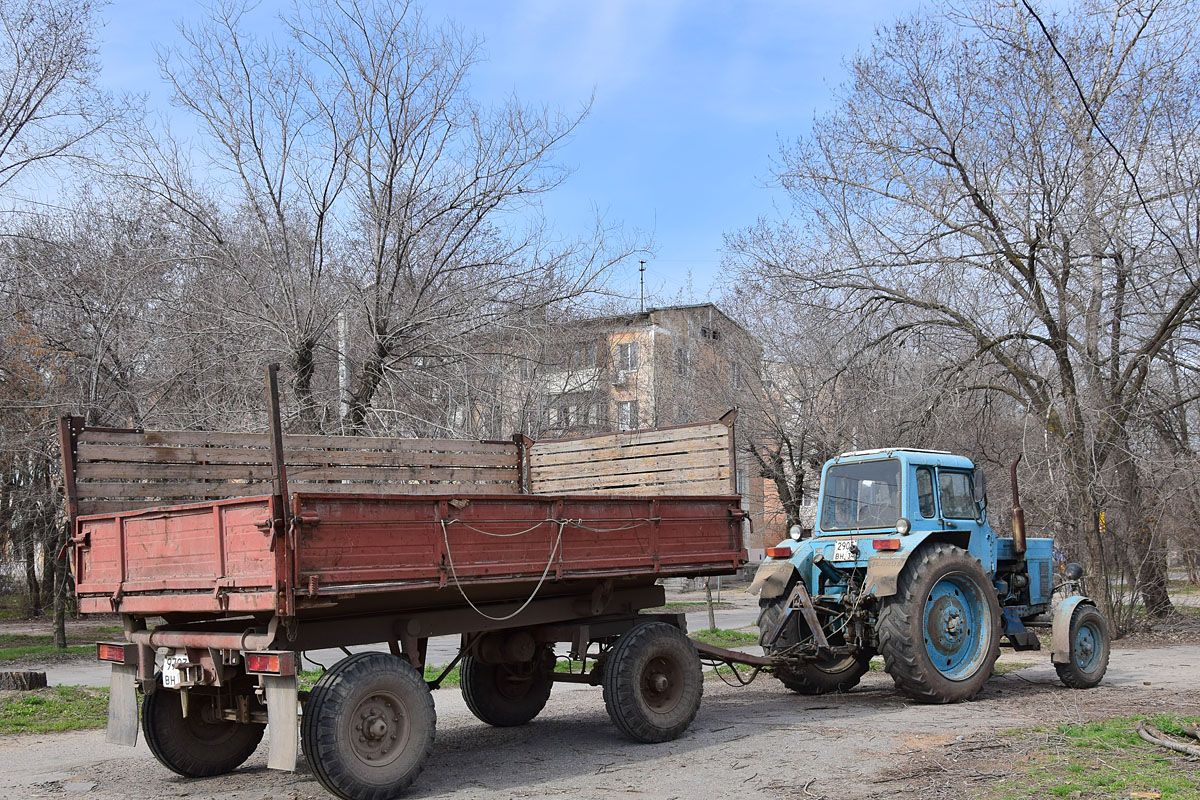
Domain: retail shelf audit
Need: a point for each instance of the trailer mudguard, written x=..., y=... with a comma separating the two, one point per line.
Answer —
x=283, y=724
x=1060, y=640
x=772, y=579
x=122, y=706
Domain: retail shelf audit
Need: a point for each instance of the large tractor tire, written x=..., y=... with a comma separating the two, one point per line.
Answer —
x=201, y=744
x=653, y=682
x=836, y=674
x=1089, y=649
x=940, y=633
x=506, y=694
x=368, y=727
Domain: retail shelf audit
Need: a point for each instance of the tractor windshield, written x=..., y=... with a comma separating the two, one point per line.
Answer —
x=864, y=495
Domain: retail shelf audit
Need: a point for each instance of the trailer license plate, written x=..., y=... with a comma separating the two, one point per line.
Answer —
x=843, y=550
x=171, y=676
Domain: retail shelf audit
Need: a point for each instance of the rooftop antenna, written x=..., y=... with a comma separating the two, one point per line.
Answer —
x=642, y=277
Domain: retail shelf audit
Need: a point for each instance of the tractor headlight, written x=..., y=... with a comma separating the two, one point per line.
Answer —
x=903, y=526
x=794, y=532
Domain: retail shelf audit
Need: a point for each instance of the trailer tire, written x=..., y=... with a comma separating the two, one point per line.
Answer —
x=653, y=682
x=368, y=727
x=193, y=746
x=814, y=677
x=1089, y=649
x=505, y=695
x=945, y=608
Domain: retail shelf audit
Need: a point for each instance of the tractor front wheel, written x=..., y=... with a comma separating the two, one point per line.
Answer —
x=940, y=634
x=835, y=674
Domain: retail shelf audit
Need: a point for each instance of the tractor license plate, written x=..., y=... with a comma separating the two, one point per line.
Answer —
x=171, y=674
x=843, y=550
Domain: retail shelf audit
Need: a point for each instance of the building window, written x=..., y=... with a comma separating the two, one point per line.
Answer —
x=704, y=333
x=627, y=415
x=627, y=356
x=716, y=335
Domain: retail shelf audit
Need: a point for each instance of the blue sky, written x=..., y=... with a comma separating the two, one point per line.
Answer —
x=691, y=101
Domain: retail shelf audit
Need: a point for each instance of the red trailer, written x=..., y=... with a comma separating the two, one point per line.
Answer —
x=294, y=543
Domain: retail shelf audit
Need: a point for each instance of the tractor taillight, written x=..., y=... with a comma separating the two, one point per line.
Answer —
x=123, y=653
x=282, y=662
x=779, y=552
x=886, y=544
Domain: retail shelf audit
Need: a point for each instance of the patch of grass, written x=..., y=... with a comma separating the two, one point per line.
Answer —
x=59, y=708
x=1005, y=667
x=725, y=638
x=695, y=605
x=30, y=651
x=11, y=607
x=1105, y=760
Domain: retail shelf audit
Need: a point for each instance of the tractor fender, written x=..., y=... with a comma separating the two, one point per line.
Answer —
x=883, y=571
x=1060, y=637
x=772, y=578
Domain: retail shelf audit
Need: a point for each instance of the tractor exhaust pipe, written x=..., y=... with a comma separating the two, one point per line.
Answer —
x=1018, y=514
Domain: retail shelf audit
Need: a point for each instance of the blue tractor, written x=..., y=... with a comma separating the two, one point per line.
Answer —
x=903, y=563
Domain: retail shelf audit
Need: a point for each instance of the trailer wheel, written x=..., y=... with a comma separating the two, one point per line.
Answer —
x=1089, y=649
x=505, y=695
x=940, y=634
x=201, y=744
x=368, y=727
x=836, y=674
x=653, y=682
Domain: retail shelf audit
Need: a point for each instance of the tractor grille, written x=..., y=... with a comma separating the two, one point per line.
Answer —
x=1044, y=569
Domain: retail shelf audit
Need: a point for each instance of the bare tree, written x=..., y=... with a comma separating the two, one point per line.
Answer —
x=49, y=102
x=968, y=183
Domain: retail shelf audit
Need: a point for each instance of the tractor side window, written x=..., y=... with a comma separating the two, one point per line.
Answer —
x=958, y=501
x=925, y=492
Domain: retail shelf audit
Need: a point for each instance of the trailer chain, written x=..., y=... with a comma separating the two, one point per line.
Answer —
x=562, y=523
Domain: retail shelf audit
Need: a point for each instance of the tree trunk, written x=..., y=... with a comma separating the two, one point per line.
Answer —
x=712, y=616
x=304, y=364
x=1148, y=559
x=32, y=589
x=62, y=597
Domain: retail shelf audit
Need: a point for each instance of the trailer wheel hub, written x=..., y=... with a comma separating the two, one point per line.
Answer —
x=380, y=729
x=662, y=684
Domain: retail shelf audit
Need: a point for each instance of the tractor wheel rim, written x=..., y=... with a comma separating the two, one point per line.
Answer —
x=1086, y=646
x=954, y=626
x=379, y=729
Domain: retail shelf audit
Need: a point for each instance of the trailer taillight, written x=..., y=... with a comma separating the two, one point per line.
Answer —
x=282, y=662
x=123, y=653
x=886, y=544
x=779, y=552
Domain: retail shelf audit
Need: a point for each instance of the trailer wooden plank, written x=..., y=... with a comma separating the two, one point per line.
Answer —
x=678, y=460
x=210, y=439
x=687, y=489
x=630, y=438
x=210, y=455
x=137, y=471
x=544, y=460
x=697, y=475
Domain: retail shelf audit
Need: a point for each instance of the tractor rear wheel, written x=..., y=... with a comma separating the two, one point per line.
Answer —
x=835, y=674
x=940, y=634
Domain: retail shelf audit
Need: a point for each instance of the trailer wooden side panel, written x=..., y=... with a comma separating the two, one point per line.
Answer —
x=225, y=557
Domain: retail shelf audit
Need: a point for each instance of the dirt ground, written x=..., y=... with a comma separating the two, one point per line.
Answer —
x=754, y=741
